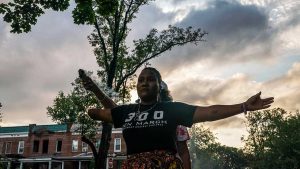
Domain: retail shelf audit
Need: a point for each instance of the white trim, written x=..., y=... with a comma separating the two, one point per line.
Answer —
x=9, y=135
x=35, y=159
x=75, y=133
x=84, y=149
x=117, y=131
x=19, y=147
x=6, y=143
x=115, y=145
x=74, y=146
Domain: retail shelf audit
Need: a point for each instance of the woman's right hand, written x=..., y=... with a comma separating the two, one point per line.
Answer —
x=87, y=82
x=257, y=103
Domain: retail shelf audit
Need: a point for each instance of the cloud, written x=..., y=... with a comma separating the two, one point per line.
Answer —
x=204, y=91
x=36, y=65
x=236, y=32
x=153, y=17
x=239, y=32
x=208, y=91
x=286, y=89
x=282, y=13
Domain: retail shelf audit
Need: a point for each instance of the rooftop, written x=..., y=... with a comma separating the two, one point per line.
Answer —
x=25, y=129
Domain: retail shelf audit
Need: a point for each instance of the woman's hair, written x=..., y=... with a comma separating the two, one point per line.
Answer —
x=165, y=96
x=164, y=93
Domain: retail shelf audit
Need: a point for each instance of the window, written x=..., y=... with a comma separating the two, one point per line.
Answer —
x=21, y=147
x=45, y=146
x=8, y=148
x=1, y=147
x=117, y=147
x=36, y=144
x=58, y=146
x=74, y=145
x=84, y=147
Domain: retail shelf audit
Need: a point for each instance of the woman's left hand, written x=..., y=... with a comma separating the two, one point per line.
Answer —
x=256, y=103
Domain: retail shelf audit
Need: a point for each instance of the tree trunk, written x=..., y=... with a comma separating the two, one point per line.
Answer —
x=104, y=146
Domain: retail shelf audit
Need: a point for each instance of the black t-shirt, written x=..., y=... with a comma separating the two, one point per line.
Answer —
x=154, y=128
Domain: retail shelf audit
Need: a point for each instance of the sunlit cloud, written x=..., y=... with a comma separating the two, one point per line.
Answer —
x=203, y=91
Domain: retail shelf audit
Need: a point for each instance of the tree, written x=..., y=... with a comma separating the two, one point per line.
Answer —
x=207, y=153
x=110, y=18
x=274, y=137
x=71, y=109
x=201, y=144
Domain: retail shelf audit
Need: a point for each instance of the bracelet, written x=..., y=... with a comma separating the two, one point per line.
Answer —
x=244, y=108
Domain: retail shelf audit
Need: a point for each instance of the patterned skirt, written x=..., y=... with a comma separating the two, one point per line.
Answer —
x=153, y=160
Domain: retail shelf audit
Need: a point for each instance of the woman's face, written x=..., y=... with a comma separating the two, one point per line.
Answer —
x=147, y=86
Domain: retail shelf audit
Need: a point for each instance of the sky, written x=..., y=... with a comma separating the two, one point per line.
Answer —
x=251, y=46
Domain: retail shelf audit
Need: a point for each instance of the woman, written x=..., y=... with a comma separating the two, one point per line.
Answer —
x=107, y=102
x=149, y=127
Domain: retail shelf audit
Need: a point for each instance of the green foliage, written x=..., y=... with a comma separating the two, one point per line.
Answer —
x=86, y=11
x=201, y=146
x=207, y=153
x=22, y=14
x=107, y=7
x=229, y=157
x=72, y=108
x=274, y=137
x=2, y=165
x=83, y=12
x=92, y=164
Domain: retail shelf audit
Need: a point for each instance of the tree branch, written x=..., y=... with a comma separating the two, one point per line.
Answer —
x=91, y=144
x=130, y=73
x=103, y=46
x=113, y=63
x=123, y=29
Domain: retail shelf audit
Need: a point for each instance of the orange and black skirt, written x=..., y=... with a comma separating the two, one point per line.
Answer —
x=153, y=160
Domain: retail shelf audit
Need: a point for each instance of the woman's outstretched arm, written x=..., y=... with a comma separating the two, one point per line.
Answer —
x=101, y=114
x=217, y=112
x=90, y=85
x=107, y=102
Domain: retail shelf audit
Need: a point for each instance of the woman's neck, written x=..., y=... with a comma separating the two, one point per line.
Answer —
x=148, y=102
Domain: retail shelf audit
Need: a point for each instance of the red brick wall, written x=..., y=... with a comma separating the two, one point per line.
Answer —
x=65, y=149
x=123, y=145
x=53, y=137
x=14, y=145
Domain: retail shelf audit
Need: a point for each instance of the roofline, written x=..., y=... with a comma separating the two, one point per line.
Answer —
x=20, y=134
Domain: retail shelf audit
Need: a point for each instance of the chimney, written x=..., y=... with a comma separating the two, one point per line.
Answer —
x=31, y=127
